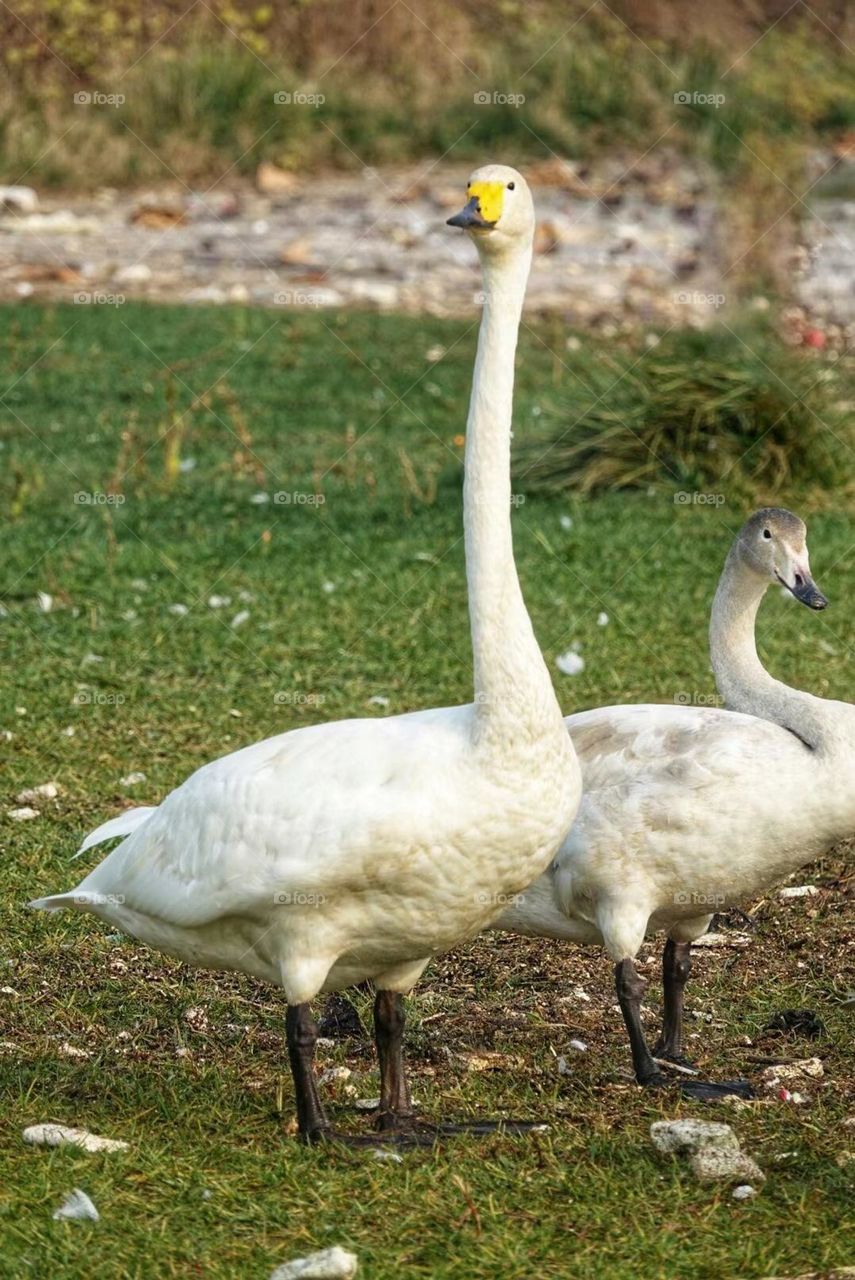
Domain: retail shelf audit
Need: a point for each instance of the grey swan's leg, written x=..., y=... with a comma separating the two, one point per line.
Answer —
x=396, y=1105
x=301, y=1034
x=676, y=967
x=630, y=988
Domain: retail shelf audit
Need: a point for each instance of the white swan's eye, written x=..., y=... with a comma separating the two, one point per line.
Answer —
x=511, y=186
x=766, y=533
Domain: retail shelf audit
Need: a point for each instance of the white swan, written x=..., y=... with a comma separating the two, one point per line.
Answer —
x=687, y=810
x=360, y=849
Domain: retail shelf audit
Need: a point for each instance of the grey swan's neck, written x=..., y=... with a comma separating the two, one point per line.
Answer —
x=740, y=676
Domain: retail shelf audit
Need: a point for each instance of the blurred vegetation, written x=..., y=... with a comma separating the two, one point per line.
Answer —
x=397, y=84
x=702, y=411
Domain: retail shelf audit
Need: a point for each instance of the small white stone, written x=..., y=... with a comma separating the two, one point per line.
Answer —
x=44, y=791
x=334, y=1074
x=328, y=1264
x=179, y=610
x=744, y=1191
x=378, y=700
x=26, y=814
x=259, y=499
x=565, y=521
x=218, y=602
x=367, y=1104
x=579, y=1046
x=798, y=891
x=45, y=601
x=72, y=1051
x=133, y=779
x=391, y=1156
x=328, y=588
x=240, y=617
x=57, y=1135
x=602, y=619
x=570, y=663
x=77, y=1205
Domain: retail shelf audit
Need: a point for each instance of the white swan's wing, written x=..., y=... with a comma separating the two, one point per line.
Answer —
x=321, y=809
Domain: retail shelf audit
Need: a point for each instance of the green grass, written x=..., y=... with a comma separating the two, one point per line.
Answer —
x=719, y=410
x=197, y=95
x=309, y=405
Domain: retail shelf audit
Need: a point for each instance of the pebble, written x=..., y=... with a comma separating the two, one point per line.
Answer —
x=133, y=779
x=798, y=891
x=712, y=1149
x=744, y=1191
x=77, y=1205
x=58, y=1135
x=328, y=1264
x=25, y=814
x=44, y=791
x=570, y=663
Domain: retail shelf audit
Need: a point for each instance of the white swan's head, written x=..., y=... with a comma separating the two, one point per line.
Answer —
x=499, y=210
x=774, y=543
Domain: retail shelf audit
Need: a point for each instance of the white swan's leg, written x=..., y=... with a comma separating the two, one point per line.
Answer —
x=623, y=926
x=396, y=1104
x=301, y=1034
x=676, y=967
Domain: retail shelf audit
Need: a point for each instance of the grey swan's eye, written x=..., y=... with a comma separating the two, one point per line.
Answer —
x=511, y=186
x=766, y=533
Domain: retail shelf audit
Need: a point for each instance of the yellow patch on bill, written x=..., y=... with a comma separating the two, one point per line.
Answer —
x=490, y=196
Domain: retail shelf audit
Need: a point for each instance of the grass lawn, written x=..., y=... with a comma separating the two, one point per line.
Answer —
x=190, y=415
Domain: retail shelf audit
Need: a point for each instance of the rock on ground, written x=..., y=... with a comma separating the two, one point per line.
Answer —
x=712, y=1149
x=328, y=1264
x=57, y=1135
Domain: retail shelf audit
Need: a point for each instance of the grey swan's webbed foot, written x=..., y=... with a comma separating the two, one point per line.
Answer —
x=711, y=1091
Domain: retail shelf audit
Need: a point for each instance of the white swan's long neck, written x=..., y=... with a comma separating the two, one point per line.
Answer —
x=740, y=676
x=514, y=697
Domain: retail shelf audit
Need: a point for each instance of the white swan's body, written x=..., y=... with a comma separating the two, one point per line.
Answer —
x=332, y=854
x=359, y=849
x=689, y=810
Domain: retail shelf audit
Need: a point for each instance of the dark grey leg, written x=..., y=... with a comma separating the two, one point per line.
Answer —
x=301, y=1035
x=396, y=1105
x=676, y=967
x=630, y=989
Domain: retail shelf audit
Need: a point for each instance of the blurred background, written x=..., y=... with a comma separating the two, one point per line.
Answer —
x=693, y=167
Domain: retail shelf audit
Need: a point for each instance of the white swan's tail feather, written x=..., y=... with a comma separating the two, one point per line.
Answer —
x=122, y=825
x=57, y=901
